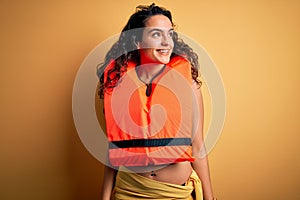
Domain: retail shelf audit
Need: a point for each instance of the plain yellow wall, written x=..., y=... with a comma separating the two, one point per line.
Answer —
x=255, y=45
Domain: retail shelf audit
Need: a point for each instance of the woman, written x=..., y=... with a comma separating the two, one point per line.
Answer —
x=154, y=153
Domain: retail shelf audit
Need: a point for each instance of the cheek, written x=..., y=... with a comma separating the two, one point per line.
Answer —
x=148, y=43
x=172, y=43
x=147, y=52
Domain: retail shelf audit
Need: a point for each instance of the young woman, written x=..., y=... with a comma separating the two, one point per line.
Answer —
x=154, y=113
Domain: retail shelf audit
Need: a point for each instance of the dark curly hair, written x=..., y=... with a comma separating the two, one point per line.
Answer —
x=124, y=50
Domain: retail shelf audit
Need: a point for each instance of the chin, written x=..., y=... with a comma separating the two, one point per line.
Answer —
x=164, y=61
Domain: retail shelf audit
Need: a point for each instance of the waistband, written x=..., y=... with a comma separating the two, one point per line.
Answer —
x=134, y=186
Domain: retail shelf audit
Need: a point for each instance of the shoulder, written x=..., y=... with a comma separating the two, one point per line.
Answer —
x=112, y=64
x=112, y=67
x=181, y=64
x=178, y=60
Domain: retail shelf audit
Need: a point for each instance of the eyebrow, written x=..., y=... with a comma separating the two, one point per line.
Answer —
x=160, y=30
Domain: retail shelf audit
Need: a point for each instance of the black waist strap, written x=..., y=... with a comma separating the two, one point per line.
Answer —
x=150, y=142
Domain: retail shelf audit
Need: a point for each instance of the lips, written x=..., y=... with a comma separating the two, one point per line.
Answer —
x=156, y=55
x=163, y=51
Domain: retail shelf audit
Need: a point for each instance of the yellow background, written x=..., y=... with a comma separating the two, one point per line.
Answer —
x=255, y=45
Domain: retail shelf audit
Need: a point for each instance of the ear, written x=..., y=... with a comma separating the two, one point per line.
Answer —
x=137, y=44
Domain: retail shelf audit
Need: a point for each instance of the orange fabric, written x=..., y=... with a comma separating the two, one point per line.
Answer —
x=166, y=113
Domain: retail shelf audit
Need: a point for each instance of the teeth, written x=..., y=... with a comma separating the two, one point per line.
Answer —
x=164, y=50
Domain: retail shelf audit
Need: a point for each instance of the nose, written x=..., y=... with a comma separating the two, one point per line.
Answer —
x=166, y=39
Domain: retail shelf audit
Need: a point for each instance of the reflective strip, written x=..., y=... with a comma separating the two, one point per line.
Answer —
x=150, y=142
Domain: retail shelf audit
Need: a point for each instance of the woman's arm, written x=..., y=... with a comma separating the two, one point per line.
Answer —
x=200, y=164
x=108, y=182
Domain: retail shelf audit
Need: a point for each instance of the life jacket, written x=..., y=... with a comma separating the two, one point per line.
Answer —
x=150, y=126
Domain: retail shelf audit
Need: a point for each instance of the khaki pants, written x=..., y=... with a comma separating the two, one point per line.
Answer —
x=134, y=186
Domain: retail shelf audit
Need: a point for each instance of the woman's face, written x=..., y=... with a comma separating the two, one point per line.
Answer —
x=157, y=43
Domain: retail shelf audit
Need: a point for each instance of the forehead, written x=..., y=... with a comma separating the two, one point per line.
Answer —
x=159, y=21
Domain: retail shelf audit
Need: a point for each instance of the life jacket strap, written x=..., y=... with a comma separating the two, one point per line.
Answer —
x=150, y=142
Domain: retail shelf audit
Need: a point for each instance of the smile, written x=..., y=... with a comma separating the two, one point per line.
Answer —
x=163, y=51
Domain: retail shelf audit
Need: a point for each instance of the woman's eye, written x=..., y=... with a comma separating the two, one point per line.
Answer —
x=156, y=34
x=171, y=34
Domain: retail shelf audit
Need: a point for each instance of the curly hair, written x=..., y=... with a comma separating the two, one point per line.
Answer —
x=124, y=50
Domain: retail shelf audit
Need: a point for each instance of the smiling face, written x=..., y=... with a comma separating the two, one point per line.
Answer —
x=157, y=43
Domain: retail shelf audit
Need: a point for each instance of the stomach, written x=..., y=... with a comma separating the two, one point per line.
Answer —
x=175, y=173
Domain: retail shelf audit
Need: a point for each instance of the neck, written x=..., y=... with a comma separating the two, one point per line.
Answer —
x=148, y=72
x=148, y=65
x=150, y=69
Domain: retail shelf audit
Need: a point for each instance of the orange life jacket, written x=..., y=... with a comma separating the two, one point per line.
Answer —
x=150, y=125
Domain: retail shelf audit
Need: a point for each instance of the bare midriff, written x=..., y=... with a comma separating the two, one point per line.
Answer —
x=175, y=173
